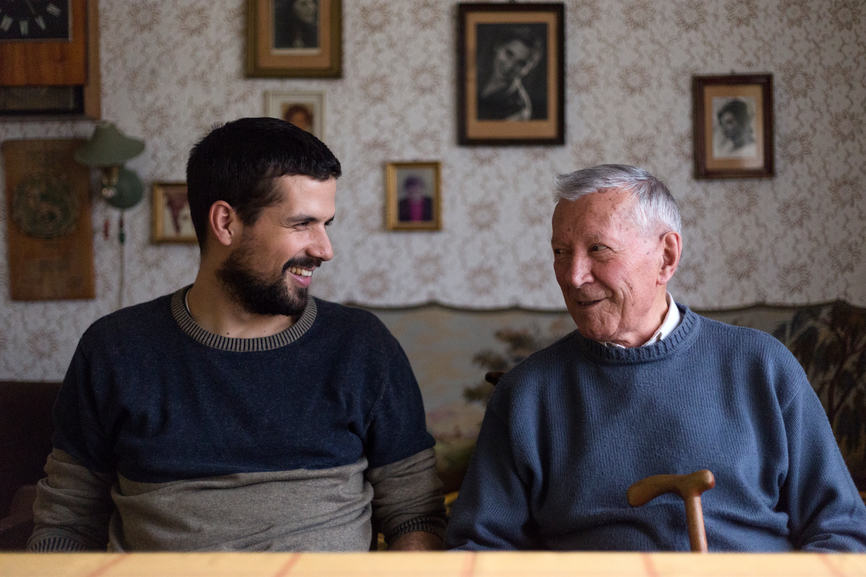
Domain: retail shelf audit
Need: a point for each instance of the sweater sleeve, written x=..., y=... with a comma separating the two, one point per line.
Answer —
x=72, y=509
x=824, y=508
x=492, y=510
x=407, y=497
x=396, y=427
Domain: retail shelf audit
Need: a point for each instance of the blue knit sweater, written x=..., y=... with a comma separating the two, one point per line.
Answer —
x=571, y=428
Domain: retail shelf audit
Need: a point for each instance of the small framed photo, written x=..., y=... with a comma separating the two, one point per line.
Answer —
x=171, y=219
x=511, y=74
x=413, y=196
x=733, y=126
x=294, y=39
x=303, y=109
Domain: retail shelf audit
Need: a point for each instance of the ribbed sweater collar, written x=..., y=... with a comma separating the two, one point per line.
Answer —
x=680, y=338
x=188, y=325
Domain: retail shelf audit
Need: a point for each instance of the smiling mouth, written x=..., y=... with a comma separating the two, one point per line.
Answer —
x=300, y=271
x=588, y=303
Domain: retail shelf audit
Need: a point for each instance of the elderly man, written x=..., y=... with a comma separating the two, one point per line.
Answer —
x=239, y=413
x=646, y=387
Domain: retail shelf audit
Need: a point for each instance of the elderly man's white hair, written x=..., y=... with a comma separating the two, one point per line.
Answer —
x=655, y=204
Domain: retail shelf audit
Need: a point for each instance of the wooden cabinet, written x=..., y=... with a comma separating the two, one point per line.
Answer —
x=44, y=70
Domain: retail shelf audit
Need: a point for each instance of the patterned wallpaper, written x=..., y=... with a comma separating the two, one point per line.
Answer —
x=172, y=69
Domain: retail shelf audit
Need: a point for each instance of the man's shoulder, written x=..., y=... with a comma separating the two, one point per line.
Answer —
x=133, y=317
x=547, y=362
x=740, y=337
x=346, y=313
x=336, y=317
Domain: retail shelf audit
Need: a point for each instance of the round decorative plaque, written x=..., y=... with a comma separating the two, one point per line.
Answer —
x=45, y=206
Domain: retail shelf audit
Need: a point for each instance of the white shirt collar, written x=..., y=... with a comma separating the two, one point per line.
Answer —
x=672, y=321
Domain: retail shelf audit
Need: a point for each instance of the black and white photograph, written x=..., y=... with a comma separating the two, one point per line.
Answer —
x=296, y=24
x=294, y=39
x=511, y=74
x=733, y=126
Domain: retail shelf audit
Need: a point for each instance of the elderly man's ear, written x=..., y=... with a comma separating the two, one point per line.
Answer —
x=672, y=247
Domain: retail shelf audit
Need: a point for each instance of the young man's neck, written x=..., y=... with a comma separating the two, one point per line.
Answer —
x=214, y=310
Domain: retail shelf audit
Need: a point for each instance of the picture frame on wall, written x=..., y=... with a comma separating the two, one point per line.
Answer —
x=511, y=74
x=294, y=39
x=413, y=196
x=305, y=110
x=172, y=222
x=733, y=126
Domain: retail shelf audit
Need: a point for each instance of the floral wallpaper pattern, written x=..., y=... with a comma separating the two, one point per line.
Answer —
x=170, y=70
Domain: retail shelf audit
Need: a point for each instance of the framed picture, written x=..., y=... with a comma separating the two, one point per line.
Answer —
x=733, y=118
x=294, y=38
x=171, y=218
x=511, y=74
x=303, y=109
x=413, y=196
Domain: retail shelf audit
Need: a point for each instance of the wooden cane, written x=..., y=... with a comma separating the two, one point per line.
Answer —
x=689, y=488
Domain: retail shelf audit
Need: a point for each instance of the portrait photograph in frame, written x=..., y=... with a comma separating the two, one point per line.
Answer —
x=303, y=109
x=171, y=219
x=413, y=197
x=733, y=126
x=294, y=39
x=511, y=74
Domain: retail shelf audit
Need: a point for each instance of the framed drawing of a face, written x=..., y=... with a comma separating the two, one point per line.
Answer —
x=733, y=126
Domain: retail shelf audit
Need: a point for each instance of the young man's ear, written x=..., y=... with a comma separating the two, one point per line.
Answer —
x=672, y=248
x=224, y=222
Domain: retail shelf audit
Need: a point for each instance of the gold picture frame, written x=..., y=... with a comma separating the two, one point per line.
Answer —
x=518, y=107
x=303, y=109
x=413, y=196
x=733, y=126
x=285, y=42
x=171, y=219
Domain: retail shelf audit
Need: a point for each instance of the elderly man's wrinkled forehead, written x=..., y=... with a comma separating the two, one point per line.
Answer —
x=623, y=204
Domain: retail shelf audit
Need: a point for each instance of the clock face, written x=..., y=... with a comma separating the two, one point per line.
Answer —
x=39, y=20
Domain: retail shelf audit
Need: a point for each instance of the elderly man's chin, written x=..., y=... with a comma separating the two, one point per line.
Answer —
x=592, y=322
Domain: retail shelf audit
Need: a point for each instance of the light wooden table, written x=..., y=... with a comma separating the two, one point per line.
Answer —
x=454, y=564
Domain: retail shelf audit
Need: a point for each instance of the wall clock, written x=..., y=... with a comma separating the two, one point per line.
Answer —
x=49, y=58
x=35, y=20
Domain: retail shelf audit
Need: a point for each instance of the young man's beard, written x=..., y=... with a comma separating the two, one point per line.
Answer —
x=258, y=295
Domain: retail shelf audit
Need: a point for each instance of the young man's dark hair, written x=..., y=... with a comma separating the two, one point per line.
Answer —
x=239, y=162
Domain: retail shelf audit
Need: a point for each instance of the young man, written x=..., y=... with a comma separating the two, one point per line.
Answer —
x=239, y=413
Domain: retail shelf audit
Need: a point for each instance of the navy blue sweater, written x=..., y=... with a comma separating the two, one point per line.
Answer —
x=571, y=428
x=144, y=399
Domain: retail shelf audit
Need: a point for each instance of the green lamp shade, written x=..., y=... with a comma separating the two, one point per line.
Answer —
x=127, y=192
x=108, y=147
